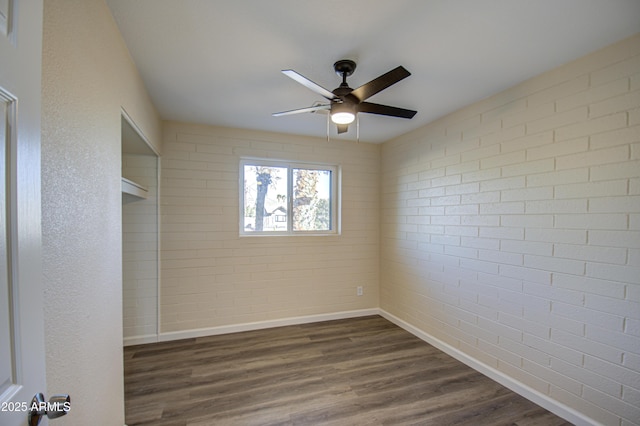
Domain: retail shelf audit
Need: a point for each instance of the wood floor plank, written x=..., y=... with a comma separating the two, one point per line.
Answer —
x=361, y=371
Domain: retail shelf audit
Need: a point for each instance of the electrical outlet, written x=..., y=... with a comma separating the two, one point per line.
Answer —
x=359, y=291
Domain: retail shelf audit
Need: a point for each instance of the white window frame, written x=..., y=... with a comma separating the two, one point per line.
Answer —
x=336, y=196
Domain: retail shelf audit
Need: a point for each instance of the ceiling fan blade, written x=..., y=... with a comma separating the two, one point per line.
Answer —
x=309, y=84
x=385, y=110
x=380, y=83
x=301, y=110
x=342, y=128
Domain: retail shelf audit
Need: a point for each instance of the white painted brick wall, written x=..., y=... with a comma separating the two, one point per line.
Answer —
x=212, y=277
x=140, y=250
x=543, y=217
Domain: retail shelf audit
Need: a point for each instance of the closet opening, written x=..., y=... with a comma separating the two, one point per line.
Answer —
x=140, y=236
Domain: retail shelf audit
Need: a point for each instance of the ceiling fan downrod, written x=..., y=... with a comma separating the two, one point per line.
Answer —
x=344, y=68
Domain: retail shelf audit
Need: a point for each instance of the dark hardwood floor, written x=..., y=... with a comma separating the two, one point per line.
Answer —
x=362, y=371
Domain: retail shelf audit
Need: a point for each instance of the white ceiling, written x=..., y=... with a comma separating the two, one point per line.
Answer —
x=218, y=62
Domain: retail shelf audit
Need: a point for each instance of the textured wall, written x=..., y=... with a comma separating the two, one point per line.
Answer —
x=511, y=231
x=212, y=277
x=87, y=77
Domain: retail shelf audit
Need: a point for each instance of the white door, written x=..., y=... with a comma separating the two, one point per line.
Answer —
x=22, y=359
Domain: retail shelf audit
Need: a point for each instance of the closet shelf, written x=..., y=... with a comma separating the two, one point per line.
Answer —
x=133, y=188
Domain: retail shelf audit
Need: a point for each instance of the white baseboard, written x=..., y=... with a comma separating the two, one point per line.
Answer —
x=140, y=340
x=235, y=328
x=531, y=394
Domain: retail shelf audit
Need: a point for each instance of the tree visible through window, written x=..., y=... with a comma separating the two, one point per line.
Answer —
x=288, y=198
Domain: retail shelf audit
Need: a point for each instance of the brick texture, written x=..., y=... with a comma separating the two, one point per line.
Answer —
x=140, y=249
x=211, y=277
x=538, y=259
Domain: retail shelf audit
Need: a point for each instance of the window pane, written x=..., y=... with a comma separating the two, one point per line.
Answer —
x=311, y=200
x=265, y=198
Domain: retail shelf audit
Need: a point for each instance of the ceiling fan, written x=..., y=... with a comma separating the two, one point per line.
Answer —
x=345, y=102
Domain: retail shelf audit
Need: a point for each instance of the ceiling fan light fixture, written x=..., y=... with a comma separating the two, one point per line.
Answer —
x=343, y=118
x=342, y=113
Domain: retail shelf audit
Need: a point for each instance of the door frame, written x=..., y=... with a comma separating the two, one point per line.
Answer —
x=20, y=81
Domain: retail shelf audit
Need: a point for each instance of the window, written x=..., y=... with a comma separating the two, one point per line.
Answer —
x=285, y=198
